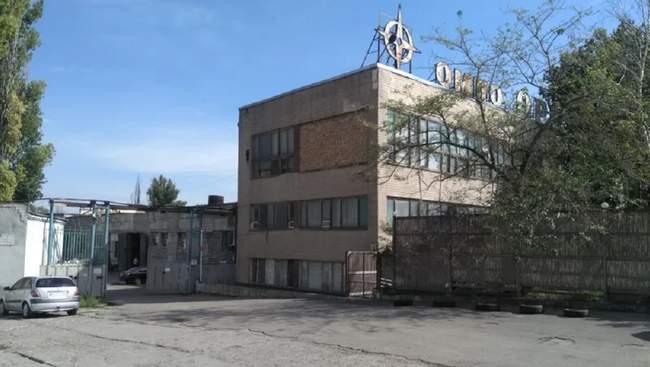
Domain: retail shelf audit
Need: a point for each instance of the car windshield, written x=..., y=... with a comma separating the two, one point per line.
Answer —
x=54, y=282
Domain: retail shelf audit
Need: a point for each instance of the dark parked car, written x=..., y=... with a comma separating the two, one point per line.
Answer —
x=136, y=275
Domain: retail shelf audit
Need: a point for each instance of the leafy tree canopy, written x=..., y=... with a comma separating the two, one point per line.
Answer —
x=22, y=155
x=163, y=192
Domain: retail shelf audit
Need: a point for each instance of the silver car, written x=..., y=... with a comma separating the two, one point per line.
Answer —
x=40, y=295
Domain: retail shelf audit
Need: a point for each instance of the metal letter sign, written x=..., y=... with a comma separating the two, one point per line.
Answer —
x=398, y=40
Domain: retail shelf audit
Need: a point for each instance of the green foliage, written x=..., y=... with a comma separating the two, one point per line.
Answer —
x=22, y=155
x=163, y=192
x=91, y=302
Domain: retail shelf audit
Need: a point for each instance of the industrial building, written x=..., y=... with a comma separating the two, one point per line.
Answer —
x=179, y=246
x=311, y=187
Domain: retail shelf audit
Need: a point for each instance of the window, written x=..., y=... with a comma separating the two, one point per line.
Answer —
x=272, y=216
x=336, y=212
x=326, y=213
x=313, y=214
x=414, y=207
x=273, y=153
x=428, y=144
x=350, y=212
x=54, y=282
x=258, y=216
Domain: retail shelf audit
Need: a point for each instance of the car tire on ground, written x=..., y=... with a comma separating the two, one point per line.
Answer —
x=531, y=309
x=27, y=312
x=72, y=312
x=403, y=302
x=3, y=309
x=576, y=312
x=137, y=281
x=486, y=306
x=444, y=302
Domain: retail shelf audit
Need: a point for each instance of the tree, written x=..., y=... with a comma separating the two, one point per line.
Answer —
x=586, y=145
x=22, y=155
x=163, y=192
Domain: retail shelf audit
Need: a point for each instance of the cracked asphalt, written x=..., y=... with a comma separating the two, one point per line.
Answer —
x=201, y=330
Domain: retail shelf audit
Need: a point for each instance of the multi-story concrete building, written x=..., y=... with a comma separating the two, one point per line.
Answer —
x=312, y=185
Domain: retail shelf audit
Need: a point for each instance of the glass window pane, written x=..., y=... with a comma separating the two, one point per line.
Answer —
x=336, y=212
x=280, y=215
x=363, y=211
x=350, y=212
x=303, y=214
x=283, y=142
x=414, y=211
x=326, y=277
x=304, y=274
x=337, y=277
x=313, y=213
x=315, y=275
x=433, y=162
x=326, y=213
x=401, y=208
x=390, y=210
x=280, y=273
x=290, y=141
x=269, y=272
x=265, y=146
x=275, y=140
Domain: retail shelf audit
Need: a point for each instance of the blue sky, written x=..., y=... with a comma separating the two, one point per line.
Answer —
x=148, y=87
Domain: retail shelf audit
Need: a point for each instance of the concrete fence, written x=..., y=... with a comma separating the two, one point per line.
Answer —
x=431, y=254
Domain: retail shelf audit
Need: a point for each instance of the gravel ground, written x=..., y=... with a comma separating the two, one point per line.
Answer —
x=158, y=330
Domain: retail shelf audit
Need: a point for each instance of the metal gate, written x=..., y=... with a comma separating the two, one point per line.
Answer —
x=361, y=271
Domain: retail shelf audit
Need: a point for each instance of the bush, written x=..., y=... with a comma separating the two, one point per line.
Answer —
x=91, y=302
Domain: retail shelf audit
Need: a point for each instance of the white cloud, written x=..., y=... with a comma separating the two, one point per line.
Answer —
x=172, y=152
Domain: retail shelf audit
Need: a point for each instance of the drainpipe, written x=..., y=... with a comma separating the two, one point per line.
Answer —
x=93, y=233
x=201, y=248
x=107, y=223
x=191, y=244
x=51, y=232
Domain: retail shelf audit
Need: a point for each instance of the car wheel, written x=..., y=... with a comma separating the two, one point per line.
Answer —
x=27, y=312
x=72, y=312
x=137, y=281
x=3, y=309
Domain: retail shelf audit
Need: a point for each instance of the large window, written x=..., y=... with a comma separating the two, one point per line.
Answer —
x=323, y=276
x=427, y=144
x=350, y=212
x=398, y=207
x=273, y=152
x=279, y=215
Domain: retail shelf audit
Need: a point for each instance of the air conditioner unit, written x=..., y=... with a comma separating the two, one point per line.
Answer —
x=291, y=224
x=255, y=225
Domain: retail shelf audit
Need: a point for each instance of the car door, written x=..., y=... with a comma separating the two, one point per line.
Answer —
x=12, y=296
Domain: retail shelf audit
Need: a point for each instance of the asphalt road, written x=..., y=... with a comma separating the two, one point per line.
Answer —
x=198, y=330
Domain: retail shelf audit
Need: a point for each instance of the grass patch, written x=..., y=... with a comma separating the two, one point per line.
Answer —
x=91, y=302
